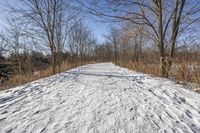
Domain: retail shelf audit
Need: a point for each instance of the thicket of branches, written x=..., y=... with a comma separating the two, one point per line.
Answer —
x=165, y=23
x=159, y=37
x=43, y=33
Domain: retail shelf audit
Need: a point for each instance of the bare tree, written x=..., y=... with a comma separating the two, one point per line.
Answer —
x=104, y=52
x=3, y=45
x=13, y=37
x=134, y=35
x=81, y=42
x=166, y=20
x=48, y=21
x=113, y=38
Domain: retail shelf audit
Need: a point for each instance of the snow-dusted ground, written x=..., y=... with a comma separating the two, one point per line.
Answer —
x=100, y=98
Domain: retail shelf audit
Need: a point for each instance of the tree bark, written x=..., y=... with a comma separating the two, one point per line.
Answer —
x=175, y=30
x=54, y=63
x=161, y=39
x=115, y=48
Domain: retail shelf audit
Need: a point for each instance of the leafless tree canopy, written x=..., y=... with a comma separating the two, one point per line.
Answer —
x=48, y=33
x=164, y=21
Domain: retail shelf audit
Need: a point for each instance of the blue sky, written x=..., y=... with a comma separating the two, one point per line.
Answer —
x=99, y=29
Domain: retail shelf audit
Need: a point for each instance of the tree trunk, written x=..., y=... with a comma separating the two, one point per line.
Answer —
x=175, y=30
x=60, y=61
x=18, y=60
x=136, y=52
x=115, y=49
x=161, y=40
x=54, y=62
x=19, y=64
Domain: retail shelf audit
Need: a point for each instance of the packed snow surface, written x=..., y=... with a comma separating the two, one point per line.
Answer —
x=100, y=98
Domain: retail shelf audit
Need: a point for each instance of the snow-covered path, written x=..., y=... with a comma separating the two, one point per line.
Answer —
x=100, y=98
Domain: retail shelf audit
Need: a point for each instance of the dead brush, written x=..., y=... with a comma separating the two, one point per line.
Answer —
x=142, y=67
x=20, y=79
x=188, y=72
x=184, y=72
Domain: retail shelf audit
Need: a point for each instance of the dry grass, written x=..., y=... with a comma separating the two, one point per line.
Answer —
x=189, y=72
x=141, y=67
x=185, y=72
x=17, y=80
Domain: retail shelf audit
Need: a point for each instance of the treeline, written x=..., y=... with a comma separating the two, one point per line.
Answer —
x=122, y=45
x=42, y=35
x=135, y=51
x=52, y=27
x=159, y=37
x=159, y=25
x=29, y=66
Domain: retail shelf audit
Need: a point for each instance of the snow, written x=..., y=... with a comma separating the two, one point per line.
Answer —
x=100, y=98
